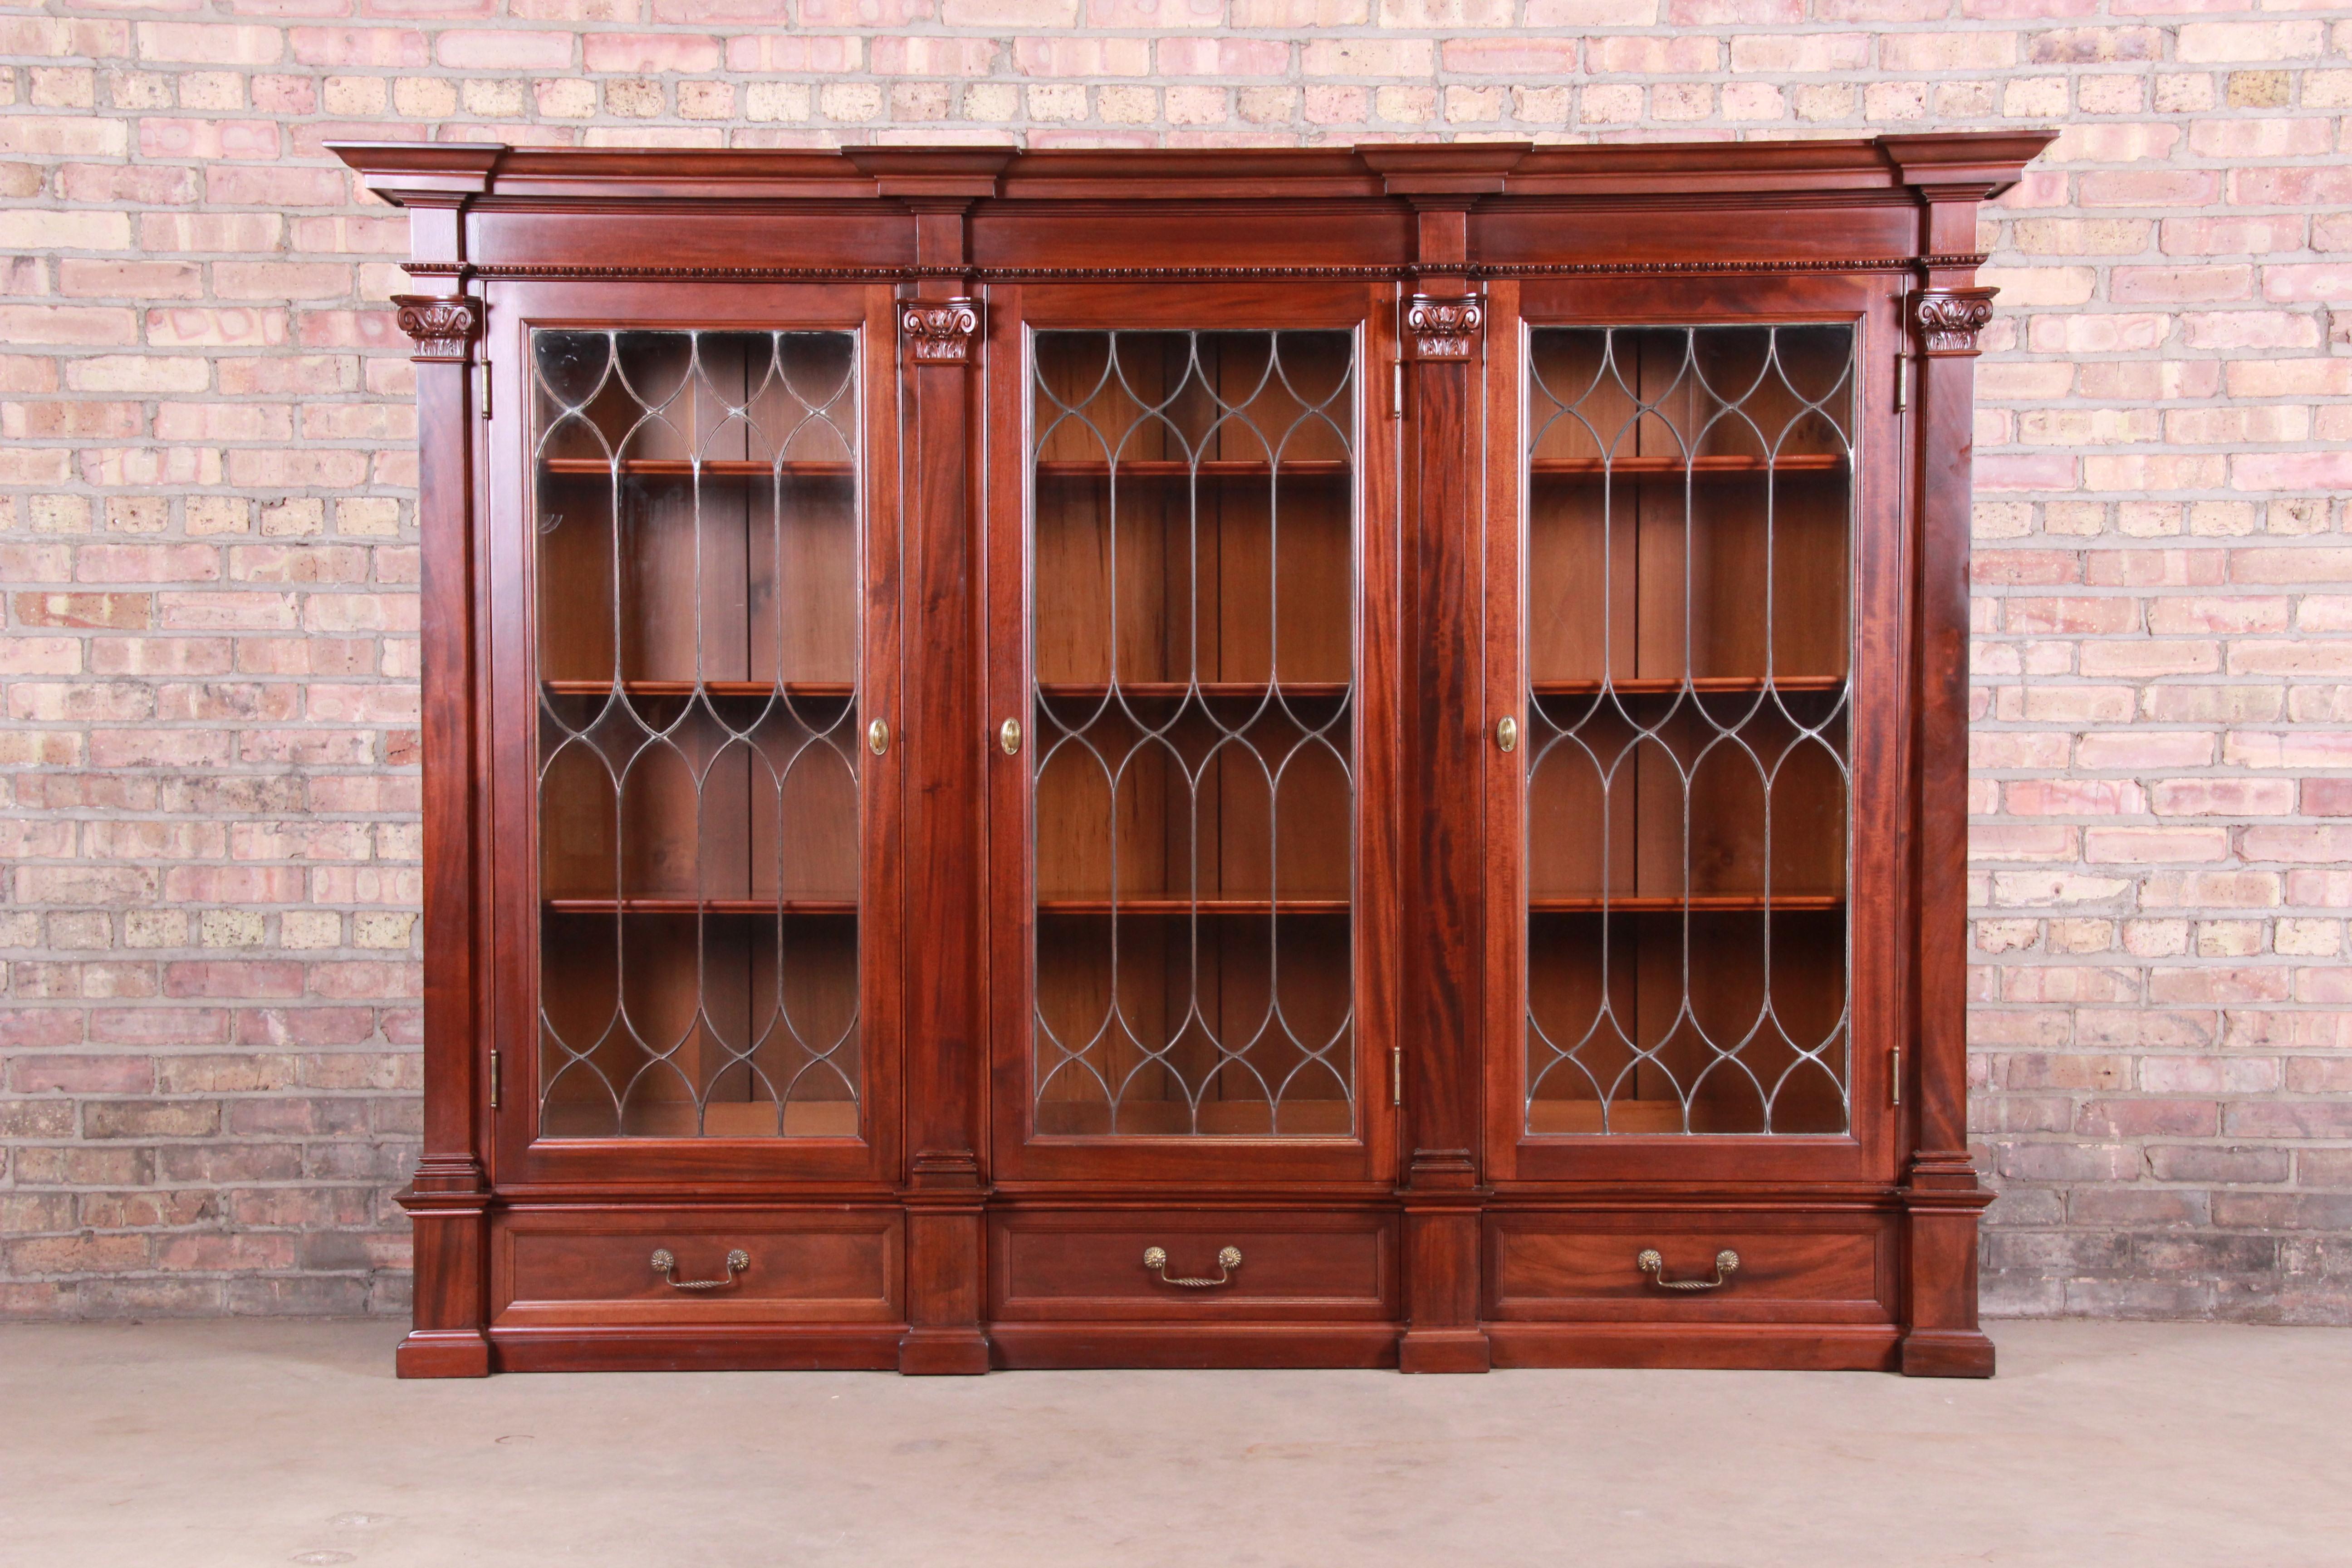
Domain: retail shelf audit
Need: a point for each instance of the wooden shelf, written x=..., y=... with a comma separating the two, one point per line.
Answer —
x=829, y=690
x=1207, y=468
x=1221, y=908
x=833, y=907
x=681, y=468
x=1697, y=903
x=1212, y=690
x=1667, y=685
x=1696, y=467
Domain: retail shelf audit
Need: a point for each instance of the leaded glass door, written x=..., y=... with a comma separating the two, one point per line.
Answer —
x=1189, y=699
x=698, y=743
x=1707, y=533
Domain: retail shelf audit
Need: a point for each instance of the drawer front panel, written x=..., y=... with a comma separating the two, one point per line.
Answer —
x=573, y=1267
x=1051, y=1265
x=1791, y=1268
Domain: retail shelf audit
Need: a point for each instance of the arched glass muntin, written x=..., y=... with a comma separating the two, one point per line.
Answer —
x=1690, y=528
x=698, y=513
x=1192, y=506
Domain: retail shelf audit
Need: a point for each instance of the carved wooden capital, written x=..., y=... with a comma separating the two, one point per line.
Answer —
x=443, y=326
x=939, y=332
x=1444, y=329
x=1948, y=319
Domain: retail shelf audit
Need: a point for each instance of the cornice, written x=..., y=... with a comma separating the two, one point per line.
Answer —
x=421, y=173
x=1444, y=171
x=1375, y=272
x=931, y=173
x=1972, y=166
x=414, y=173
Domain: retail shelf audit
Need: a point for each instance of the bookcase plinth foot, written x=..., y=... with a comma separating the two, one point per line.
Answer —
x=443, y=1353
x=1444, y=1350
x=1946, y=1353
x=943, y=1352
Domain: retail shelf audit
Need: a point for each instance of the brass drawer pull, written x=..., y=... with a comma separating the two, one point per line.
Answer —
x=1651, y=1260
x=665, y=1264
x=1228, y=1259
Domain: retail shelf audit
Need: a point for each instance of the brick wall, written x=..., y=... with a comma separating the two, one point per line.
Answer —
x=208, y=1031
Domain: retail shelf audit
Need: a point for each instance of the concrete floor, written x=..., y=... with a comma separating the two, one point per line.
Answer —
x=192, y=1444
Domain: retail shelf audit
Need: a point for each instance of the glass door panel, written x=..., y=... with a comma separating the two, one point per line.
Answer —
x=1690, y=511
x=697, y=571
x=1194, y=712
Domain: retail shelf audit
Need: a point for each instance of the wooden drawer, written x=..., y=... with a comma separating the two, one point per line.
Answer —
x=1048, y=1264
x=1794, y=1267
x=576, y=1267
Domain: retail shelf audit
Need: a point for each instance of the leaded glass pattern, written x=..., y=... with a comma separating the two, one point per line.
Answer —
x=1193, y=710
x=1690, y=495
x=698, y=631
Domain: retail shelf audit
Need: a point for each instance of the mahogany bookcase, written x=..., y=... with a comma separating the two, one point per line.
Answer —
x=1338, y=757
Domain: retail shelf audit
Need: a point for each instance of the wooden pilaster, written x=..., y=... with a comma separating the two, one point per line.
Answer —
x=1443, y=947
x=1942, y=1197
x=448, y=1199
x=941, y=331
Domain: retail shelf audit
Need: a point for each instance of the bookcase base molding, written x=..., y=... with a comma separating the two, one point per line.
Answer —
x=1322, y=757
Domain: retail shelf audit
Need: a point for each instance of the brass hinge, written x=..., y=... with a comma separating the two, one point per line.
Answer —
x=1396, y=390
x=1396, y=1075
x=495, y=1076
x=484, y=367
x=1894, y=1076
x=1902, y=381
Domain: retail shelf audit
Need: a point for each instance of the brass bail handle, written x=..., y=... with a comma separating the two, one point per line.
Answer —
x=665, y=1265
x=1651, y=1261
x=1228, y=1259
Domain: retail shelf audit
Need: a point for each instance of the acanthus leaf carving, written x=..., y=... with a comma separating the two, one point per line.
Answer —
x=443, y=326
x=939, y=332
x=1444, y=329
x=1948, y=319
